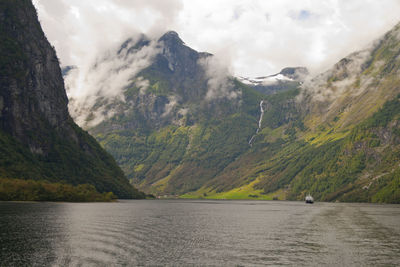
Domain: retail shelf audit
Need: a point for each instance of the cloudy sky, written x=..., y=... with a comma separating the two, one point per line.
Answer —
x=255, y=37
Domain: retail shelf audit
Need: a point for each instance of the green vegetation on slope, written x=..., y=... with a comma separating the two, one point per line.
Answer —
x=345, y=169
x=359, y=166
x=197, y=152
x=75, y=163
x=30, y=190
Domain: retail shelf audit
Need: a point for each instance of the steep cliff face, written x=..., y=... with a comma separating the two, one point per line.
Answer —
x=39, y=140
x=32, y=89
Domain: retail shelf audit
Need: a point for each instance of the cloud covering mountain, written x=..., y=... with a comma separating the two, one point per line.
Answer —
x=257, y=37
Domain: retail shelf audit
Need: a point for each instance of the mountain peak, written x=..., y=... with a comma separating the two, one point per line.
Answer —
x=171, y=36
x=171, y=33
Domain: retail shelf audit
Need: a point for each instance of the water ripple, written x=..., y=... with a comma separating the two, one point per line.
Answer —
x=198, y=233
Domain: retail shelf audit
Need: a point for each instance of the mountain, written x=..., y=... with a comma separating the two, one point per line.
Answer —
x=38, y=138
x=176, y=116
x=337, y=139
x=286, y=79
x=183, y=126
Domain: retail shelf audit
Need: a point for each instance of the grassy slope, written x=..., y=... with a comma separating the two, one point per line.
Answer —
x=360, y=166
x=30, y=190
x=74, y=163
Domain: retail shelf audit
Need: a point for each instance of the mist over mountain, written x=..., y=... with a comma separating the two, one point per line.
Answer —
x=179, y=93
x=157, y=76
x=180, y=123
x=257, y=38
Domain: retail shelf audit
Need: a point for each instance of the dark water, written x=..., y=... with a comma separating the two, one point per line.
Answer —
x=199, y=233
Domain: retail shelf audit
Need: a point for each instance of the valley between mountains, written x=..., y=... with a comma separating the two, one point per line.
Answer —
x=179, y=124
x=157, y=115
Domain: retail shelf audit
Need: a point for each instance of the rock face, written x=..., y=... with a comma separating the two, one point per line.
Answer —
x=38, y=137
x=297, y=73
x=31, y=84
x=184, y=70
x=171, y=89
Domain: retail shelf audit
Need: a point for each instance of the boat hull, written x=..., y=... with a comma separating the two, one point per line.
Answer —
x=309, y=199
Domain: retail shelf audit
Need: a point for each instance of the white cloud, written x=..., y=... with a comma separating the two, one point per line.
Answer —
x=142, y=84
x=270, y=35
x=172, y=102
x=345, y=74
x=219, y=83
x=262, y=36
x=81, y=29
x=105, y=78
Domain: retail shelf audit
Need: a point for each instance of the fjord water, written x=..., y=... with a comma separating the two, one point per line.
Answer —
x=205, y=233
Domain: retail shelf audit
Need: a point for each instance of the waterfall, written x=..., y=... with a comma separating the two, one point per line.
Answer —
x=259, y=122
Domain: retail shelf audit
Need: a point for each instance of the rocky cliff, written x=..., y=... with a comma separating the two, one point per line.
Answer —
x=39, y=140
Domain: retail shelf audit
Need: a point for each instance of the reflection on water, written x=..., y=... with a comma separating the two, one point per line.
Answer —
x=211, y=233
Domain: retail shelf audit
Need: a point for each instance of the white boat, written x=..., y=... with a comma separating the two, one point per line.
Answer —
x=309, y=199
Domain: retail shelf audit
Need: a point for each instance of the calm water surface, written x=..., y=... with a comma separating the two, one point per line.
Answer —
x=199, y=233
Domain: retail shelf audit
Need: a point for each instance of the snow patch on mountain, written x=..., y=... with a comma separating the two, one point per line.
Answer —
x=297, y=74
x=267, y=80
